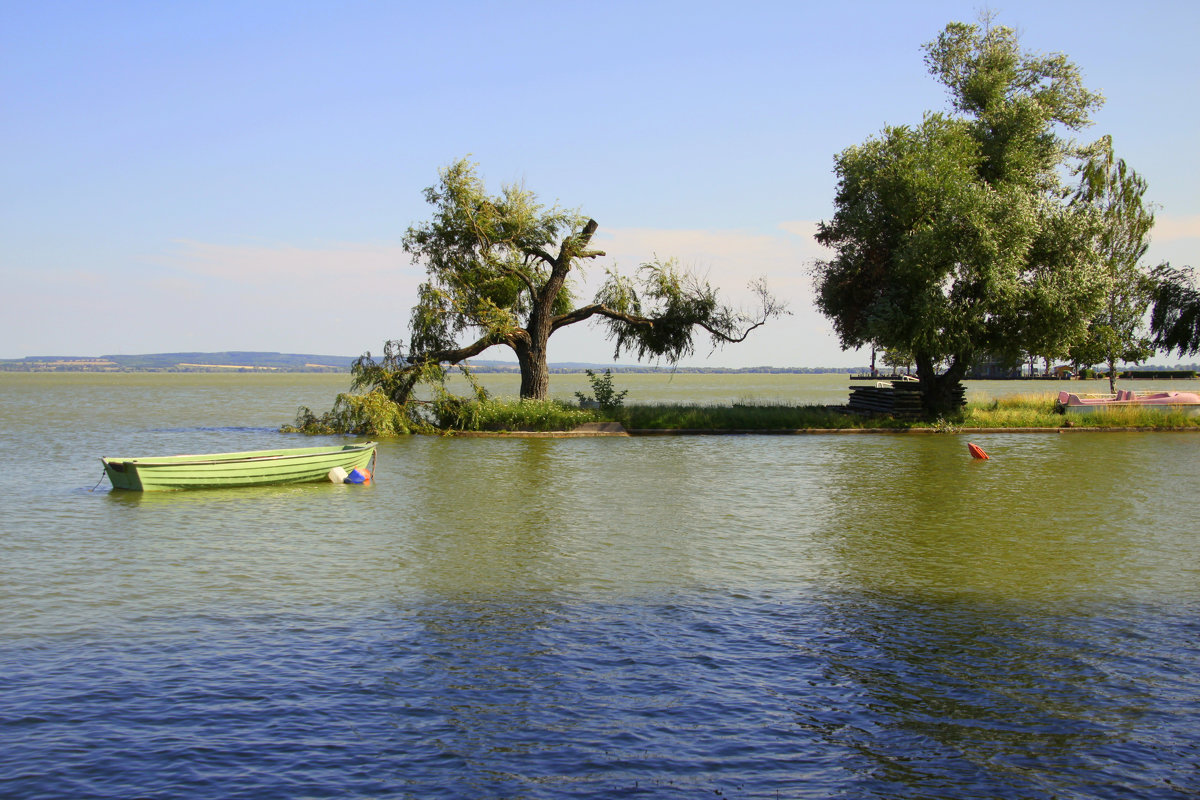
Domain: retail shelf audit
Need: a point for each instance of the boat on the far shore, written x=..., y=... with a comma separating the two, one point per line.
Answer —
x=1186, y=402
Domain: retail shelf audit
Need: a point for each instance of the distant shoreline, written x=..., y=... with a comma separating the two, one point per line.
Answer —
x=246, y=362
x=263, y=362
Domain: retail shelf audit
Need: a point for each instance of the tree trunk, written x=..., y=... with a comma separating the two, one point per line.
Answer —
x=535, y=373
x=941, y=394
x=532, y=350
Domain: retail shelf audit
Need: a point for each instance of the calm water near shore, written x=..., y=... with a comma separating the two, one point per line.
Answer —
x=761, y=616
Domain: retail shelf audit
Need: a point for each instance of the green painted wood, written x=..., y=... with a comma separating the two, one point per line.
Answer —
x=248, y=468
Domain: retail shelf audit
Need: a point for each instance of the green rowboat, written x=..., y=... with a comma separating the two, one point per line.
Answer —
x=251, y=468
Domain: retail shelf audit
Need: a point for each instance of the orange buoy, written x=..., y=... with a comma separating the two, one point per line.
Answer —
x=977, y=451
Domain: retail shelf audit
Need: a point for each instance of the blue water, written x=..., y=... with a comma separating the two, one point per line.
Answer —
x=686, y=696
x=739, y=617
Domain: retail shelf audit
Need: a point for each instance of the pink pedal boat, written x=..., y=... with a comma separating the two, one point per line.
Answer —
x=1187, y=402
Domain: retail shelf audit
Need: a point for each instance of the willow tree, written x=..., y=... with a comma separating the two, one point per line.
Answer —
x=954, y=239
x=1114, y=192
x=501, y=270
x=1175, y=320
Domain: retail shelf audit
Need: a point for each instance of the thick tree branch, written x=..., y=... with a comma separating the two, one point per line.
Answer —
x=458, y=354
x=599, y=309
x=541, y=254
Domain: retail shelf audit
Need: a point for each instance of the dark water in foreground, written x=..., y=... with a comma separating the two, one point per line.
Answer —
x=822, y=616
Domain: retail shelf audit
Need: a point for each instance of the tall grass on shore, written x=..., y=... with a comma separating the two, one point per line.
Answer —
x=1022, y=411
x=1039, y=410
x=374, y=415
x=508, y=414
x=744, y=417
x=1027, y=410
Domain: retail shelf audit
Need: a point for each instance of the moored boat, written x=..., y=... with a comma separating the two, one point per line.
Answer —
x=247, y=468
x=1186, y=402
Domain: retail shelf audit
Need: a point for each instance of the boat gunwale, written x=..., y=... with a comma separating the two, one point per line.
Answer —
x=207, y=459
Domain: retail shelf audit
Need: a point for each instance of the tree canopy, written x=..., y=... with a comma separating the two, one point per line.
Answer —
x=1175, y=320
x=955, y=238
x=1114, y=192
x=501, y=270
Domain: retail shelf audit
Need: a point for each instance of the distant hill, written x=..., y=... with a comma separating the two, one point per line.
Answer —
x=255, y=361
x=247, y=361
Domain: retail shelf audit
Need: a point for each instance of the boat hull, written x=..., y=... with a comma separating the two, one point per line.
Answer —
x=1189, y=410
x=1187, y=403
x=250, y=468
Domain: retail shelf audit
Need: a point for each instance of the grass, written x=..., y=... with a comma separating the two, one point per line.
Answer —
x=1014, y=412
x=743, y=416
x=1038, y=411
x=374, y=415
x=508, y=414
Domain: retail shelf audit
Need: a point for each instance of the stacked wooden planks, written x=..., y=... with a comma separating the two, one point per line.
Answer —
x=900, y=399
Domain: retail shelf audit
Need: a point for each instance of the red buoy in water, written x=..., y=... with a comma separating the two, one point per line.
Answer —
x=977, y=451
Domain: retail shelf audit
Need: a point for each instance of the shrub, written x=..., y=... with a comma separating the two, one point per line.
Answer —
x=604, y=396
x=371, y=414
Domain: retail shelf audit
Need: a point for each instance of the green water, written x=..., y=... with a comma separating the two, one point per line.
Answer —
x=801, y=616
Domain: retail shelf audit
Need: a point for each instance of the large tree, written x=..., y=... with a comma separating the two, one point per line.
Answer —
x=954, y=238
x=1114, y=192
x=499, y=273
x=1175, y=320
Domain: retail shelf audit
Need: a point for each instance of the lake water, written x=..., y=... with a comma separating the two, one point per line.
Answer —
x=816, y=616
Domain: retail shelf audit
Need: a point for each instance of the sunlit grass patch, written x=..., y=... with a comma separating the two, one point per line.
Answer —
x=1134, y=417
x=1027, y=410
x=1040, y=410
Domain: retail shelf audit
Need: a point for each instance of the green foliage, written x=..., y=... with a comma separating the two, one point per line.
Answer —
x=746, y=417
x=453, y=413
x=604, y=395
x=1012, y=100
x=896, y=357
x=393, y=375
x=488, y=259
x=500, y=268
x=953, y=238
x=656, y=316
x=1175, y=320
x=371, y=414
x=1015, y=412
x=1113, y=193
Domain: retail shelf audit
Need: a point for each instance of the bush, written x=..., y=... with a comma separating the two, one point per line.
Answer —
x=371, y=414
x=605, y=397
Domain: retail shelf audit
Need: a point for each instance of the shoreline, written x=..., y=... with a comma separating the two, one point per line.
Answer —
x=649, y=432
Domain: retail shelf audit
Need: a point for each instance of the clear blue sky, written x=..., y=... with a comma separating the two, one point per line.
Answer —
x=237, y=176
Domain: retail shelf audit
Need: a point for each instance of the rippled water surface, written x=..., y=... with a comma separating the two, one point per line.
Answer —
x=762, y=616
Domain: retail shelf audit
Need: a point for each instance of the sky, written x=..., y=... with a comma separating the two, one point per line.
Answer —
x=239, y=175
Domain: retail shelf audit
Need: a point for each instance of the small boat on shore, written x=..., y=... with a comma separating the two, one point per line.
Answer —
x=1187, y=402
x=247, y=468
